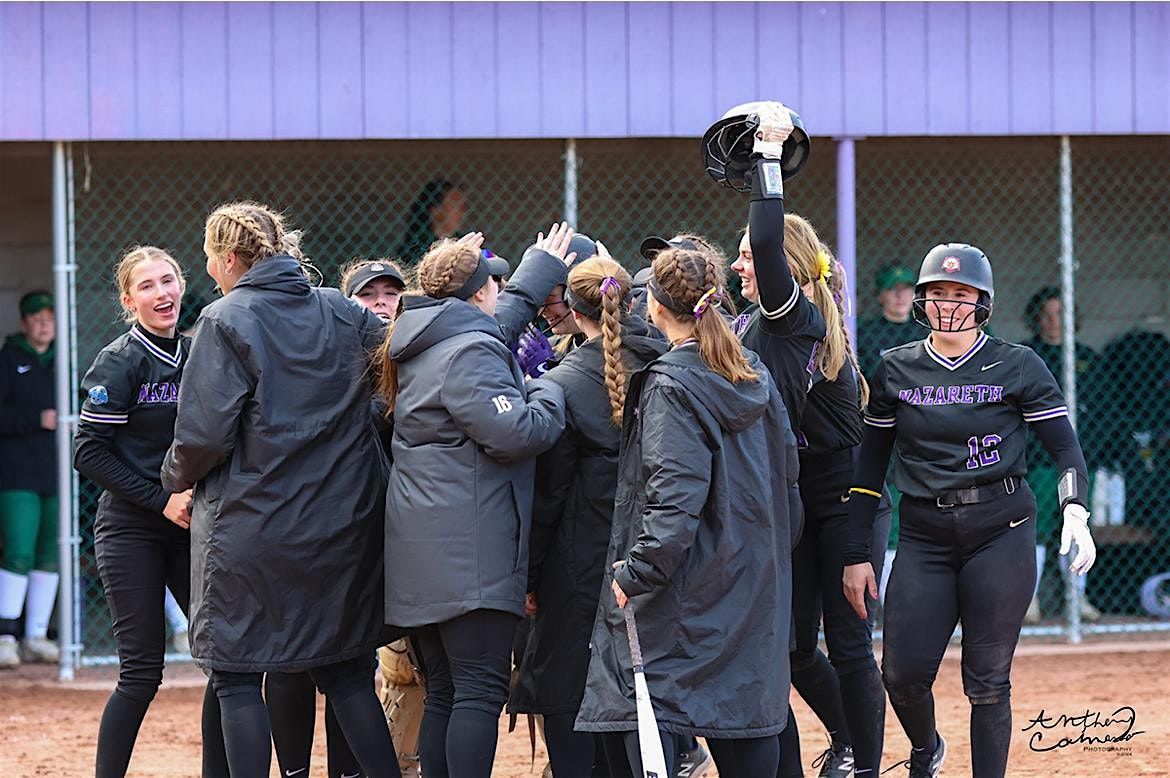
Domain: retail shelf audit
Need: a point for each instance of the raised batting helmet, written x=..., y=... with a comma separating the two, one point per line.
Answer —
x=727, y=147
x=962, y=264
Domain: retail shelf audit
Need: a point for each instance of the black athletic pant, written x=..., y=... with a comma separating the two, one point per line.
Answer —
x=347, y=685
x=139, y=554
x=570, y=753
x=291, y=699
x=844, y=690
x=468, y=661
x=965, y=564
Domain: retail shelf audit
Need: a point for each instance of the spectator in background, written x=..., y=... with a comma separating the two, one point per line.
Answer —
x=436, y=213
x=1044, y=316
x=895, y=292
x=28, y=484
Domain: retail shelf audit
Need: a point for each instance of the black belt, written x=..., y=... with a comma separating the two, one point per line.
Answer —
x=977, y=494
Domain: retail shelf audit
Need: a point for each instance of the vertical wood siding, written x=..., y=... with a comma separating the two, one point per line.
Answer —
x=257, y=70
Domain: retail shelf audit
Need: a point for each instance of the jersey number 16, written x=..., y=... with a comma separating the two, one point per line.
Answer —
x=982, y=456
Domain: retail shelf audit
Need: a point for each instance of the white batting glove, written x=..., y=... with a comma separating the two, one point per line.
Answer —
x=1076, y=530
x=775, y=127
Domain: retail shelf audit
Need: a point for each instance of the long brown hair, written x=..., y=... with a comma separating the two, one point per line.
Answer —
x=688, y=276
x=442, y=271
x=586, y=282
x=837, y=283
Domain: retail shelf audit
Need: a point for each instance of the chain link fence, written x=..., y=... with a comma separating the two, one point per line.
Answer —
x=352, y=199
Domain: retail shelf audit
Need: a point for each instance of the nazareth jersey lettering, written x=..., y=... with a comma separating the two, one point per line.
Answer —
x=132, y=396
x=960, y=421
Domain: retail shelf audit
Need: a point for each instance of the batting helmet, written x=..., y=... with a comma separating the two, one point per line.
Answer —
x=961, y=264
x=727, y=147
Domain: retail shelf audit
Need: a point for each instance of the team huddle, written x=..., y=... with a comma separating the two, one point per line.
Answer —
x=507, y=474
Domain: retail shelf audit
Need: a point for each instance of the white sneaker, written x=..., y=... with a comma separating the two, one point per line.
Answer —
x=39, y=650
x=9, y=656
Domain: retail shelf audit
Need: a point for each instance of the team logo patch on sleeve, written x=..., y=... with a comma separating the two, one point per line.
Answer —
x=98, y=395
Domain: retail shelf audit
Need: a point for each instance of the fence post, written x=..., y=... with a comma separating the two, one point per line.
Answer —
x=571, y=182
x=1069, y=351
x=63, y=287
x=847, y=227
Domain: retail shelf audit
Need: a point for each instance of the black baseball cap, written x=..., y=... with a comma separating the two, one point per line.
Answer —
x=642, y=277
x=652, y=245
x=368, y=273
x=584, y=246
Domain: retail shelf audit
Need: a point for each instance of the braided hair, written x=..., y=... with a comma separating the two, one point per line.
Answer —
x=603, y=283
x=442, y=272
x=693, y=279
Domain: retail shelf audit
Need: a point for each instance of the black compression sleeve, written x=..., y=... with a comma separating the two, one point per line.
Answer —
x=1060, y=441
x=766, y=234
x=99, y=464
x=868, y=476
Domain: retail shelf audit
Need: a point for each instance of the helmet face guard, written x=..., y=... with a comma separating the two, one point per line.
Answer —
x=965, y=315
x=727, y=147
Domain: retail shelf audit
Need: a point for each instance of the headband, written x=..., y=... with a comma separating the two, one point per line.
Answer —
x=665, y=299
x=476, y=282
x=586, y=308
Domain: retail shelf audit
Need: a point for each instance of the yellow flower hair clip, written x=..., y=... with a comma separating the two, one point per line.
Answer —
x=824, y=266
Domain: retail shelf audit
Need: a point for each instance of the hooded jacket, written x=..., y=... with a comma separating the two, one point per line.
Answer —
x=466, y=433
x=701, y=521
x=28, y=453
x=572, y=516
x=274, y=432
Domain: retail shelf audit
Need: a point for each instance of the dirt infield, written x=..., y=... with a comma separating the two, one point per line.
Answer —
x=49, y=729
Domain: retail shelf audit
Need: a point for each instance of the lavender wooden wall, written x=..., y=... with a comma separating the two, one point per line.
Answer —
x=171, y=71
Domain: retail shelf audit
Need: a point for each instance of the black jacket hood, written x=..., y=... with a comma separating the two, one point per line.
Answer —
x=281, y=273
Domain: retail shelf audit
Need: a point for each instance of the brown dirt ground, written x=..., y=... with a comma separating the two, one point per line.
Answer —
x=49, y=729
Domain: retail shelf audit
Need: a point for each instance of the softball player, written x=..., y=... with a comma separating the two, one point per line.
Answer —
x=700, y=527
x=376, y=284
x=953, y=410
x=843, y=689
x=784, y=270
x=28, y=484
x=573, y=507
x=466, y=432
x=273, y=425
x=140, y=534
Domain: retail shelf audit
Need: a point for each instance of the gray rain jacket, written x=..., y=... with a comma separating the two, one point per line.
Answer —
x=466, y=432
x=274, y=432
x=701, y=518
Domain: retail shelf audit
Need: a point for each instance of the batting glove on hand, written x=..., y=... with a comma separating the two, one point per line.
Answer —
x=775, y=127
x=533, y=352
x=1076, y=530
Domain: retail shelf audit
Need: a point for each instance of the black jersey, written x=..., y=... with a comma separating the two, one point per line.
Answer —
x=787, y=342
x=131, y=397
x=832, y=417
x=960, y=422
